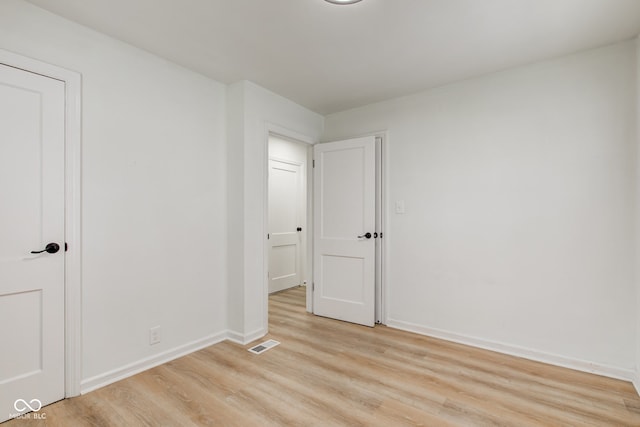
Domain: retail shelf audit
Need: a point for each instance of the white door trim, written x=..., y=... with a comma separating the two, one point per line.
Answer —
x=382, y=220
x=73, y=208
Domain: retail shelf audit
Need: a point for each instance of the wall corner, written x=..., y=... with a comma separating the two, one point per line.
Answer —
x=235, y=123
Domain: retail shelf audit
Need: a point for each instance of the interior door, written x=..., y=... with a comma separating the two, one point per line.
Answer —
x=344, y=230
x=285, y=200
x=31, y=219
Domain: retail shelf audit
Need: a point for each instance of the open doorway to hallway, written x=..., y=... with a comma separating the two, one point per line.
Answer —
x=287, y=213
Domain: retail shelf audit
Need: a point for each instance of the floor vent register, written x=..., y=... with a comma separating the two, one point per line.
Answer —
x=262, y=347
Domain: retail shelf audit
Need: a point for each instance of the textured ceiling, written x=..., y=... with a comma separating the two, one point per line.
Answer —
x=330, y=58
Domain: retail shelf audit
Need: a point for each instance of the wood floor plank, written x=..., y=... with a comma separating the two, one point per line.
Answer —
x=331, y=373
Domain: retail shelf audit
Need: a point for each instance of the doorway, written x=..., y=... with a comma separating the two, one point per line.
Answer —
x=287, y=213
x=381, y=219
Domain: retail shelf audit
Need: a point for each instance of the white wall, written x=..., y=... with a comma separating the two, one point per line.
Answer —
x=154, y=191
x=261, y=111
x=519, y=193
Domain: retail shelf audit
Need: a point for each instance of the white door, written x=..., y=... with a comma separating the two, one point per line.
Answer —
x=31, y=217
x=344, y=226
x=285, y=201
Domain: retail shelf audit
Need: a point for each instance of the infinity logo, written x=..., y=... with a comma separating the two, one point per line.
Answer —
x=22, y=405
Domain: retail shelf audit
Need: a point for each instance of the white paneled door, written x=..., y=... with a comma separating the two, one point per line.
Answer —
x=285, y=202
x=344, y=230
x=32, y=109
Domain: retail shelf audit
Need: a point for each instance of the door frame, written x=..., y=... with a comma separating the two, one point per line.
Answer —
x=73, y=208
x=382, y=223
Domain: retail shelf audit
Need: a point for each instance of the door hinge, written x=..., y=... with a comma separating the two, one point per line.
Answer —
x=313, y=162
x=313, y=286
x=267, y=236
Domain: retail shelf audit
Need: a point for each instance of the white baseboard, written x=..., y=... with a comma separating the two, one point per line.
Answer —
x=243, y=339
x=526, y=353
x=118, y=374
x=126, y=371
x=235, y=337
x=636, y=381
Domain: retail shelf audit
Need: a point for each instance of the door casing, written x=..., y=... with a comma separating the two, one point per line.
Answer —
x=73, y=208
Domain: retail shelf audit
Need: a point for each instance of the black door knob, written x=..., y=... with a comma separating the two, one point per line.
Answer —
x=51, y=248
x=367, y=235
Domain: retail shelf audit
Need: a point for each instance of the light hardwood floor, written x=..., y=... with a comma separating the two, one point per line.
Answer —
x=330, y=373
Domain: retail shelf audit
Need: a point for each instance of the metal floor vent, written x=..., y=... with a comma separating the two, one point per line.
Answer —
x=262, y=347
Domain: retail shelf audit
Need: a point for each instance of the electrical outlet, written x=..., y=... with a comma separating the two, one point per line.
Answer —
x=154, y=335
